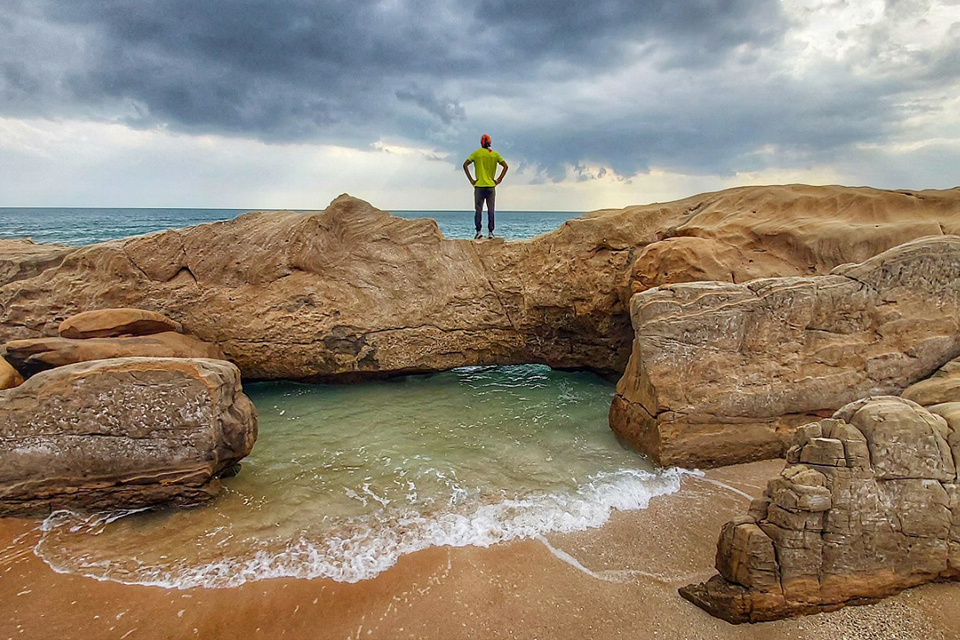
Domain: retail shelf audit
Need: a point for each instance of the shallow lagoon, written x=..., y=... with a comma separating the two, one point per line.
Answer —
x=346, y=479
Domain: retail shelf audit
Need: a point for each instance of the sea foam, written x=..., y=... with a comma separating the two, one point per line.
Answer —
x=363, y=547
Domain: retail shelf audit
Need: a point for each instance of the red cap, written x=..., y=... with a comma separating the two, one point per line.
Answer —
x=485, y=141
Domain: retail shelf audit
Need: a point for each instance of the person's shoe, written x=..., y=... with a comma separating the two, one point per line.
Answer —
x=479, y=236
x=490, y=236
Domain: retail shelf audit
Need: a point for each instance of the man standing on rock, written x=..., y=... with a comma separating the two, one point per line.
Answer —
x=485, y=160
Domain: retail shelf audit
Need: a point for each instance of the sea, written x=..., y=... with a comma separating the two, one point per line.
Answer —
x=346, y=479
x=87, y=225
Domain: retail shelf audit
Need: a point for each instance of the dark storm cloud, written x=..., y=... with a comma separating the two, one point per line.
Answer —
x=352, y=72
x=449, y=111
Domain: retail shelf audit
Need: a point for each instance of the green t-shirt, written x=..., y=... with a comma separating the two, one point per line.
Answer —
x=485, y=161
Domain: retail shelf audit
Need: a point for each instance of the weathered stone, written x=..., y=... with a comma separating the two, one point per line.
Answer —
x=864, y=532
x=122, y=433
x=112, y=323
x=747, y=233
x=724, y=373
x=24, y=258
x=353, y=292
x=904, y=439
x=745, y=555
x=824, y=451
x=942, y=387
x=32, y=356
x=9, y=377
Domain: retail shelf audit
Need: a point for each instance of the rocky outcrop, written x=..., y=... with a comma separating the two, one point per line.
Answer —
x=789, y=230
x=867, y=505
x=353, y=292
x=9, y=377
x=114, y=323
x=32, y=356
x=724, y=373
x=122, y=433
x=24, y=258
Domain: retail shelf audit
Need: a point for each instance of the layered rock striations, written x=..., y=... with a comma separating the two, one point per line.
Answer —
x=723, y=373
x=747, y=233
x=122, y=433
x=942, y=387
x=32, y=356
x=867, y=505
x=114, y=323
x=353, y=292
x=24, y=258
x=108, y=333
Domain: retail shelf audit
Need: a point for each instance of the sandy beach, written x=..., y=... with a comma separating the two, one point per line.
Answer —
x=618, y=581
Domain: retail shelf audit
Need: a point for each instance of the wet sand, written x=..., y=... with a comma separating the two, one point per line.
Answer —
x=618, y=581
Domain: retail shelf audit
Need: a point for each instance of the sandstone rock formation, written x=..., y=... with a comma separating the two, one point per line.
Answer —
x=24, y=258
x=353, y=292
x=122, y=433
x=789, y=230
x=9, y=377
x=943, y=386
x=33, y=356
x=867, y=505
x=113, y=323
x=723, y=373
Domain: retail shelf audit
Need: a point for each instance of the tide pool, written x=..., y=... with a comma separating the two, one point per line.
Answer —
x=346, y=479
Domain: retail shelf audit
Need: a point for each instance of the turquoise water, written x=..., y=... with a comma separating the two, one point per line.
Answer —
x=86, y=226
x=346, y=479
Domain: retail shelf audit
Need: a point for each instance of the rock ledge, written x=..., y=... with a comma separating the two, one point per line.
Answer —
x=122, y=433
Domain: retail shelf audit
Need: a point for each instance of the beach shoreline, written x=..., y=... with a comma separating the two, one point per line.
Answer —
x=616, y=581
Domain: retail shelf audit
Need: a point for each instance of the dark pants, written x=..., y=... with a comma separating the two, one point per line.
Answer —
x=481, y=195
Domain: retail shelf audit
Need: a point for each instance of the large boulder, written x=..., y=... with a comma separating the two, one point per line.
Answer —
x=32, y=356
x=112, y=323
x=867, y=505
x=122, y=433
x=353, y=292
x=724, y=373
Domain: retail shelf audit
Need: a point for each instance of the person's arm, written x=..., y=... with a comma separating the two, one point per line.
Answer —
x=467, y=171
x=503, y=164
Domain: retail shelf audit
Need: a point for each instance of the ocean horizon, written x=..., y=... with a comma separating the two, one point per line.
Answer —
x=89, y=225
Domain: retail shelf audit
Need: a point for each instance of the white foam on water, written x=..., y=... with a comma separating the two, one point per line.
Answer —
x=360, y=548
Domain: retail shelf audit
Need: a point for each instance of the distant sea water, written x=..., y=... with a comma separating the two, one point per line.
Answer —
x=81, y=226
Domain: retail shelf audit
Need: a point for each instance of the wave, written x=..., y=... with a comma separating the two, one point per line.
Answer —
x=361, y=548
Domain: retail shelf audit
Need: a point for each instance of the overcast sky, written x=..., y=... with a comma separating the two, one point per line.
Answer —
x=288, y=103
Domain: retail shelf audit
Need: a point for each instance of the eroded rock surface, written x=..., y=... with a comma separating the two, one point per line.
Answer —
x=24, y=258
x=867, y=505
x=353, y=292
x=113, y=323
x=122, y=433
x=723, y=373
x=746, y=233
x=33, y=356
x=943, y=386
